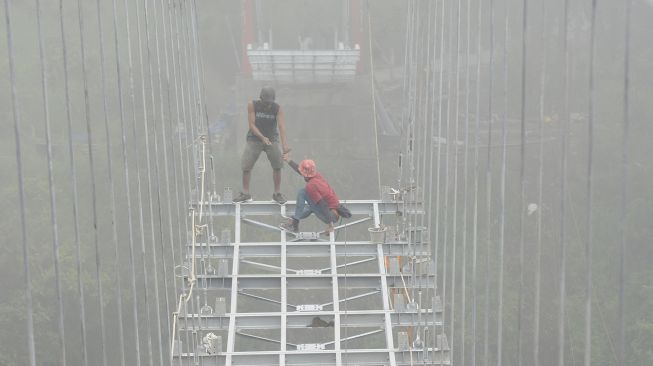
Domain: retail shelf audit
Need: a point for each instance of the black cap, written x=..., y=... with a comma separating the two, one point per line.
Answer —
x=267, y=94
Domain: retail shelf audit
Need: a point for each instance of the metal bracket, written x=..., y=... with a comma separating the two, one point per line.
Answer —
x=313, y=307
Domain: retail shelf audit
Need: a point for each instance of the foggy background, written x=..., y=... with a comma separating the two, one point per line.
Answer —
x=334, y=125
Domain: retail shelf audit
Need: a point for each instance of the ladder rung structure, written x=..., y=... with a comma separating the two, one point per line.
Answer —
x=310, y=298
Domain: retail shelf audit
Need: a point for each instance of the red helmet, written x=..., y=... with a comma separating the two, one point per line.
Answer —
x=307, y=168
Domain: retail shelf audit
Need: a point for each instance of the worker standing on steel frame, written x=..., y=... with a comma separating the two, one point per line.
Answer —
x=266, y=126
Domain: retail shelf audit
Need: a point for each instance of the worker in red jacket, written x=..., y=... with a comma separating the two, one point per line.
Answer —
x=316, y=197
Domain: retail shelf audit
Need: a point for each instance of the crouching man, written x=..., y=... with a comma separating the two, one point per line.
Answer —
x=316, y=197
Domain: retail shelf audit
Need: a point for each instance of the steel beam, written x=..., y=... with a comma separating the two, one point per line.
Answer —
x=268, y=208
x=303, y=282
x=324, y=357
x=300, y=320
x=306, y=249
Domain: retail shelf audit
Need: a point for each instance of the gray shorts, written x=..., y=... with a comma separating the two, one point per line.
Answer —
x=254, y=149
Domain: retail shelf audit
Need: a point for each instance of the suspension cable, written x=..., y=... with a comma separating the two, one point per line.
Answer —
x=454, y=142
x=31, y=347
x=51, y=184
x=180, y=118
x=438, y=178
x=563, y=189
x=139, y=192
x=373, y=94
x=125, y=158
x=540, y=185
x=91, y=161
x=430, y=237
x=522, y=182
x=146, y=129
x=623, y=247
x=112, y=207
x=502, y=228
x=589, y=213
x=479, y=24
x=446, y=177
x=463, y=304
x=488, y=190
x=172, y=161
x=166, y=177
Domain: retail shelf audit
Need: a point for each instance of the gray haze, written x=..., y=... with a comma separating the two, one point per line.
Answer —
x=333, y=124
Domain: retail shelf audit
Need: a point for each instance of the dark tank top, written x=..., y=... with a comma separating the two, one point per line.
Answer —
x=266, y=121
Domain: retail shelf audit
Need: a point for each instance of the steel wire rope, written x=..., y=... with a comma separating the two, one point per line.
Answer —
x=420, y=113
x=373, y=95
x=522, y=181
x=417, y=156
x=424, y=110
x=463, y=280
x=139, y=193
x=202, y=92
x=439, y=169
x=404, y=96
x=191, y=91
x=454, y=214
x=91, y=161
x=146, y=129
x=112, y=206
x=180, y=117
x=410, y=115
x=574, y=220
x=410, y=145
x=488, y=190
x=73, y=176
x=194, y=112
x=563, y=188
x=625, y=161
x=27, y=273
x=125, y=158
x=185, y=298
x=414, y=152
x=427, y=121
x=410, y=101
x=446, y=181
x=502, y=225
x=479, y=24
x=538, y=255
x=408, y=118
x=407, y=109
x=590, y=161
x=192, y=104
x=61, y=337
x=167, y=162
x=182, y=92
x=203, y=108
x=429, y=236
x=166, y=176
x=201, y=76
x=198, y=69
x=201, y=111
x=197, y=229
x=193, y=73
x=183, y=162
x=428, y=141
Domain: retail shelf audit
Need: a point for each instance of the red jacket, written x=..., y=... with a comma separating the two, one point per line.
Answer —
x=318, y=189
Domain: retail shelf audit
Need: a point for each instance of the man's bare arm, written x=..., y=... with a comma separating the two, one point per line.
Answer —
x=282, y=130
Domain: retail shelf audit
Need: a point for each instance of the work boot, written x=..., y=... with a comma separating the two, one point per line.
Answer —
x=279, y=198
x=291, y=225
x=243, y=197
